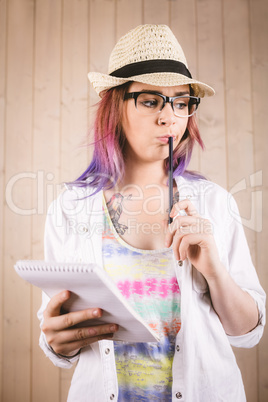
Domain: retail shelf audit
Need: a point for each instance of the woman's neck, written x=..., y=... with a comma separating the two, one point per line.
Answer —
x=144, y=174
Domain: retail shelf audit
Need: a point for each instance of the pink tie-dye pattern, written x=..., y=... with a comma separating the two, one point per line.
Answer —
x=174, y=285
x=137, y=287
x=151, y=285
x=124, y=288
x=163, y=288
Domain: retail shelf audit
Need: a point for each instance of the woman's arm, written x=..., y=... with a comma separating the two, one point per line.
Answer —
x=192, y=238
x=235, y=307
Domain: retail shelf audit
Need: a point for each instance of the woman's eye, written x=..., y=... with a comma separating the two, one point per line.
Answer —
x=150, y=103
x=180, y=105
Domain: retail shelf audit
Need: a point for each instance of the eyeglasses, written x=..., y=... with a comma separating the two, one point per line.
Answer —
x=151, y=102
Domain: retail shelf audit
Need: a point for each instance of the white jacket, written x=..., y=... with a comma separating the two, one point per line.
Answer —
x=204, y=366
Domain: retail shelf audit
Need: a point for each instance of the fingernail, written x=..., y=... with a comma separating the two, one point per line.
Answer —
x=113, y=328
x=96, y=313
x=64, y=295
x=175, y=210
x=180, y=263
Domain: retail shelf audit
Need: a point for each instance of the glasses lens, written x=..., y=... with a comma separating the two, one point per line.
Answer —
x=185, y=106
x=149, y=103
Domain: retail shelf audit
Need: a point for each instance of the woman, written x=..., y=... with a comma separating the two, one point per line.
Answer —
x=192, y=280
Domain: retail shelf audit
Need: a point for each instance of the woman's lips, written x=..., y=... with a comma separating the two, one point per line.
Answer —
x=165, y=138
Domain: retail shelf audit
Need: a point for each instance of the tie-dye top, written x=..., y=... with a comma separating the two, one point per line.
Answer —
x=146, y=278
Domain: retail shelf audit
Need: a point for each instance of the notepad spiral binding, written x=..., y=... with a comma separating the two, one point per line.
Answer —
x=51, y=266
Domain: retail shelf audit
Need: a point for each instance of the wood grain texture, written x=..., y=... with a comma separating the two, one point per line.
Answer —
x=102, y=38
x=74, y=85
x=46, y=165
x=3, y=77
x=46, y=49
x=183, y=25
x=259, y=61
x=128, y=16
x=156, y=11
x=16, y=378
x=239, y=128
x=74, y=107
x=211, y=71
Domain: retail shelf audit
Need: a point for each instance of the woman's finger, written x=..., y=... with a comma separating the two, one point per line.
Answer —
x=190, y=241
x=70, y=348
x=181, y=223
x=81, y=335
x=184, y=205
x=60, y=321
x=91, y=332
x=176, y=245
x=53, y=308
x=70, y=319
x=195, y=227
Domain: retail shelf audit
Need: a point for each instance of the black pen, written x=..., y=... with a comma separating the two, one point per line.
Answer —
x=170, y=177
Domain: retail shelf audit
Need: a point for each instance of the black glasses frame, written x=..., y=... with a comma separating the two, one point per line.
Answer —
x=194, y=100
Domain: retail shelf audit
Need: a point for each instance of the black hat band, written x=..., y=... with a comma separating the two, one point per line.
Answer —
x=152, y=66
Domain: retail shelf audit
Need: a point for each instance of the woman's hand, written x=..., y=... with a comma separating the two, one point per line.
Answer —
x=191, y=237
x=61, y=333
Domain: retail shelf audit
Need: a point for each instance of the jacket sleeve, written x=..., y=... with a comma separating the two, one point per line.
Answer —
x=244, y=274
x=54, y=239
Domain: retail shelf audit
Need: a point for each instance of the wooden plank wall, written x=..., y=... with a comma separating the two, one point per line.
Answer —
x=46, y=49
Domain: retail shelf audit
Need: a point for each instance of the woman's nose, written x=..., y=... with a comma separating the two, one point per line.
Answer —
x=167, y=116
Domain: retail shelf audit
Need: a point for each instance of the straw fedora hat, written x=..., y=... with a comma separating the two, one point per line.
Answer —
x=149, y=54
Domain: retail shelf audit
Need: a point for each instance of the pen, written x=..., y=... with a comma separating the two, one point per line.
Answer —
x=170, y=177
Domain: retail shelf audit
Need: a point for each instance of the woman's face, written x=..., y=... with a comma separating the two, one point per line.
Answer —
x=147, y=135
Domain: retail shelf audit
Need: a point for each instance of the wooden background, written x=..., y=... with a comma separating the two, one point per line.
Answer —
x=46, y=49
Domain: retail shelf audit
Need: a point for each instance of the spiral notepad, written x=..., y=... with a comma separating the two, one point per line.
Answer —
x=90, y=287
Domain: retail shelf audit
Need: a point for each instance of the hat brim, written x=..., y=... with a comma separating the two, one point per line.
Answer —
x=103, y=82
